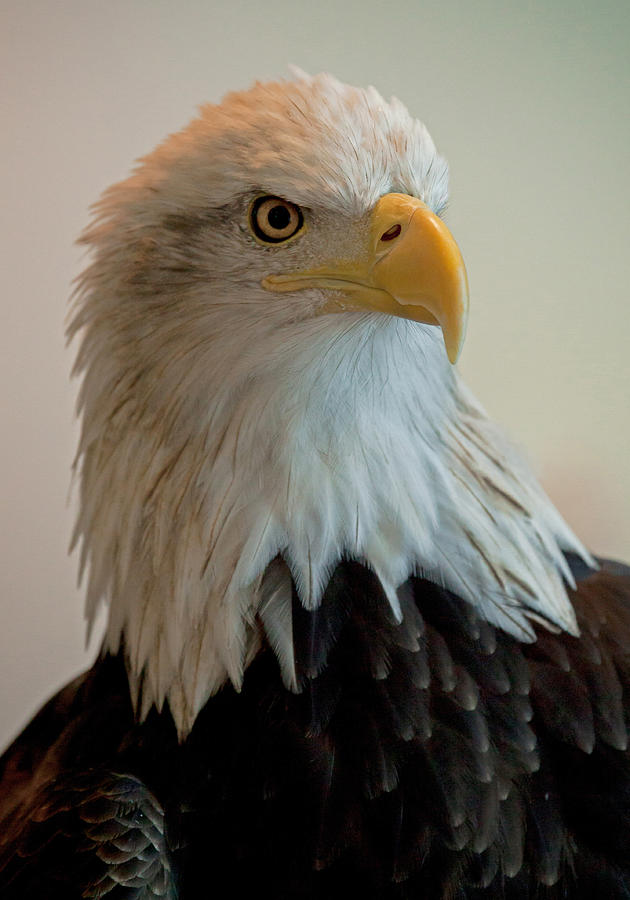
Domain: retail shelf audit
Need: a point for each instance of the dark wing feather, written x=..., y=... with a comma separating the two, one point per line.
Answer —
x=70, y=824
x=89, y=835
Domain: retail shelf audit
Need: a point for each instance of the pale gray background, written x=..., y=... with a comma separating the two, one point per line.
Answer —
x=529, y=101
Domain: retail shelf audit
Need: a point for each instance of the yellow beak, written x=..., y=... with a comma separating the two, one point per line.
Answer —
x=413, y=269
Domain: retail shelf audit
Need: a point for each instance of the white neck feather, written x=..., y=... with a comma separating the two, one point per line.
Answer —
x=362, y=444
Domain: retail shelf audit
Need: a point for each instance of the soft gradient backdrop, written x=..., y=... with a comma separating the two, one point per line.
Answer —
x=529, y=102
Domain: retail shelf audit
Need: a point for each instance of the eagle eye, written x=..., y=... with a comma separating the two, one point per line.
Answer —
x=274, y=220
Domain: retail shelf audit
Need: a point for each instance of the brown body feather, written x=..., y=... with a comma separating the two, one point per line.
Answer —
x=434, y=757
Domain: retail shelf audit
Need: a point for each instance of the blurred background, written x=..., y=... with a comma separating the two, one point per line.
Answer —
x=529, y=101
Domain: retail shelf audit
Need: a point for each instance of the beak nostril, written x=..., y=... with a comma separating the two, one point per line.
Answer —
x=391, y=233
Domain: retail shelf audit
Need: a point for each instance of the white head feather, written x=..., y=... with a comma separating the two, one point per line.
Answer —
x=224, y=426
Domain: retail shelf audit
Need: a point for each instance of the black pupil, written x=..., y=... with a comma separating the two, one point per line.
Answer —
x=279, y=217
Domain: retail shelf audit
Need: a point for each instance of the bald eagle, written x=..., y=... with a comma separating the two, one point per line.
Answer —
x=351, y=649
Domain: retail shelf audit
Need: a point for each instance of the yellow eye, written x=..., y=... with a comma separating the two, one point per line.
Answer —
x=274, y=220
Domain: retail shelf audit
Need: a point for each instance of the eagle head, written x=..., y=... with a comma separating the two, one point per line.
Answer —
x=267, y=331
